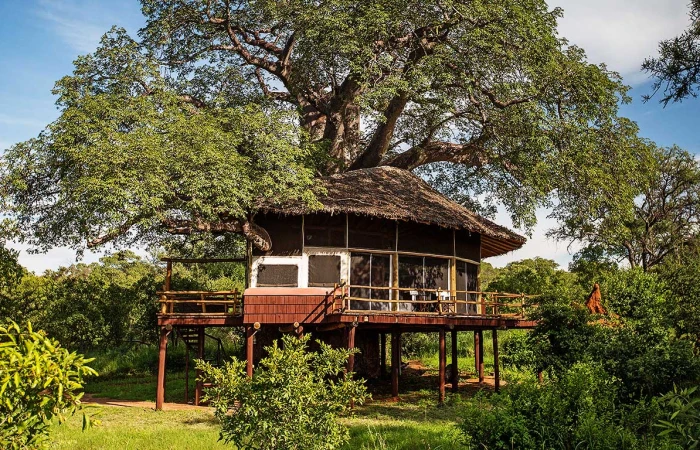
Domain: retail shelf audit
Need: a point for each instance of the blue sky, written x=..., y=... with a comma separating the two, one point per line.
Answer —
x=39, y=40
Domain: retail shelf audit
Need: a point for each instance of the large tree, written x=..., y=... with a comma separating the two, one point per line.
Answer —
x=158, y=135
x=663, y=220
x=676, y=69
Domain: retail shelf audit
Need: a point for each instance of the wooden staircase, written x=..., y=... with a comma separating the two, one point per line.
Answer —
x=194, y=339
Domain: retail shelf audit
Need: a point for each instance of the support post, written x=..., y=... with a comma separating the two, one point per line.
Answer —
x=455, y=364
x=441, y=364
x=160, y=387
x=187, y=372
x=481, y=356
x=249, y=350
x=477, y=354
x=351, y=344
x=200, y=355
x=395, y=362
x=382, y=355
x=496, y=371
x=351, y=359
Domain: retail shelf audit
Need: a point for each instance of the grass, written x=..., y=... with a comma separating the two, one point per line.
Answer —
x=414, y=423
x=125, y=428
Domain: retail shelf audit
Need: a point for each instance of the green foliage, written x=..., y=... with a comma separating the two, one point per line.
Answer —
x=660, y=220
x=535, y=276
x=682, y=425
x=683, y=305
x=292, y=401
x=578, y=410
x=127, y=161
x=39, y=381
x=676, y=69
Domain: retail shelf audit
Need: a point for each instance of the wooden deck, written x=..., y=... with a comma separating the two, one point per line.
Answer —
x=312, y=307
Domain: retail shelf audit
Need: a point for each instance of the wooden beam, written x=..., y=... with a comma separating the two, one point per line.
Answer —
x=168, y=276
x=481, y=356
x=382, y=355
x=455, y=364
x=203, y=260
x=160, y=386
x=395, y=279
x=351, y=345
x=200, y=355
x=187, y=372
x=496, y=371
x=395, y=363
x=289, y=328
x=441, y=364
x=331, y=326
x=249, y=332
x=477, y=357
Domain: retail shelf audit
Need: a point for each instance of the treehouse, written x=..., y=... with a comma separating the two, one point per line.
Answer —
x=384, y=254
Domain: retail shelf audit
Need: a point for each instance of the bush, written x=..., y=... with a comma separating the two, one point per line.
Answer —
x=578, y=410
x=292, y=401
x=682, y=423
x=39, y=380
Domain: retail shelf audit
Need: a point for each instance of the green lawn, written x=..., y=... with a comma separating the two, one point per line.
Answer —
x=414, y=423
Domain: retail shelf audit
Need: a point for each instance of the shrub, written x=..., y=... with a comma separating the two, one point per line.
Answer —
x=292, y=401
x=577, y=410
x=682, y=424
x=39, y=380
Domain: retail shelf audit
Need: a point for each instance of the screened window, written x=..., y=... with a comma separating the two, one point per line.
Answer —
x=371, y=233
x=418, y=273
x=324, y=270
x=419, y=238
x=371, y=271
x=278, y=275
x=467, y=280
x=468, y=245
x=324, y=230
x=285, y=233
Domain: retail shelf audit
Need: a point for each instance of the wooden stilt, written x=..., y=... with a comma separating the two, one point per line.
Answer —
x=455, y=365
x=249, y=350
x=351, y=359
x=540, y=377
x=187, y=372
x=200, y=355
x=395, y=362
x=382, y=355
x=160, y=387
x=441, y=364
x=481, y=356
x=477, y=354
x=351, y=345
x=496, y=371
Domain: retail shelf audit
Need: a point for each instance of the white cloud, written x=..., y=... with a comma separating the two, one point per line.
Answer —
x=81, y=23
x=73, y=23
x=621, y=33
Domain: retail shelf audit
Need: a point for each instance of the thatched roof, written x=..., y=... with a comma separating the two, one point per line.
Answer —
x=398, y=194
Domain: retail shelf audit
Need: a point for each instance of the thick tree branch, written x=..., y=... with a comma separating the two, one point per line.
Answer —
x=471, y=154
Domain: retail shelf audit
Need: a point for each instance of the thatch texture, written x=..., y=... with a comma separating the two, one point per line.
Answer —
x=398, y=194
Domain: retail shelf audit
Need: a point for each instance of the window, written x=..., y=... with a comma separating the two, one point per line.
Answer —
x=417, y=273
x=371, y=233
x=419, y=238
x=370, y=271
x=324, y=270
x=285, y=232
x=467, y=280
x=278, y=275
x=324, y=230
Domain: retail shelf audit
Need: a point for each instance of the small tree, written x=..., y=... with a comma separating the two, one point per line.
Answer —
x=39, y=381
x=292, y=401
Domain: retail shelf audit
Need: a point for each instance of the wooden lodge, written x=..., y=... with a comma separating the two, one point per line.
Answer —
x=384, y=254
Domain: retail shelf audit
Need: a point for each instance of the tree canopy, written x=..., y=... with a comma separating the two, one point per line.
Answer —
x=660, y=221
x=676, y=69
x=221, y=103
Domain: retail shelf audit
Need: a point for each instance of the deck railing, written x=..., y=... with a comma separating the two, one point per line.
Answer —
x=201, y=302
x=434, y=302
